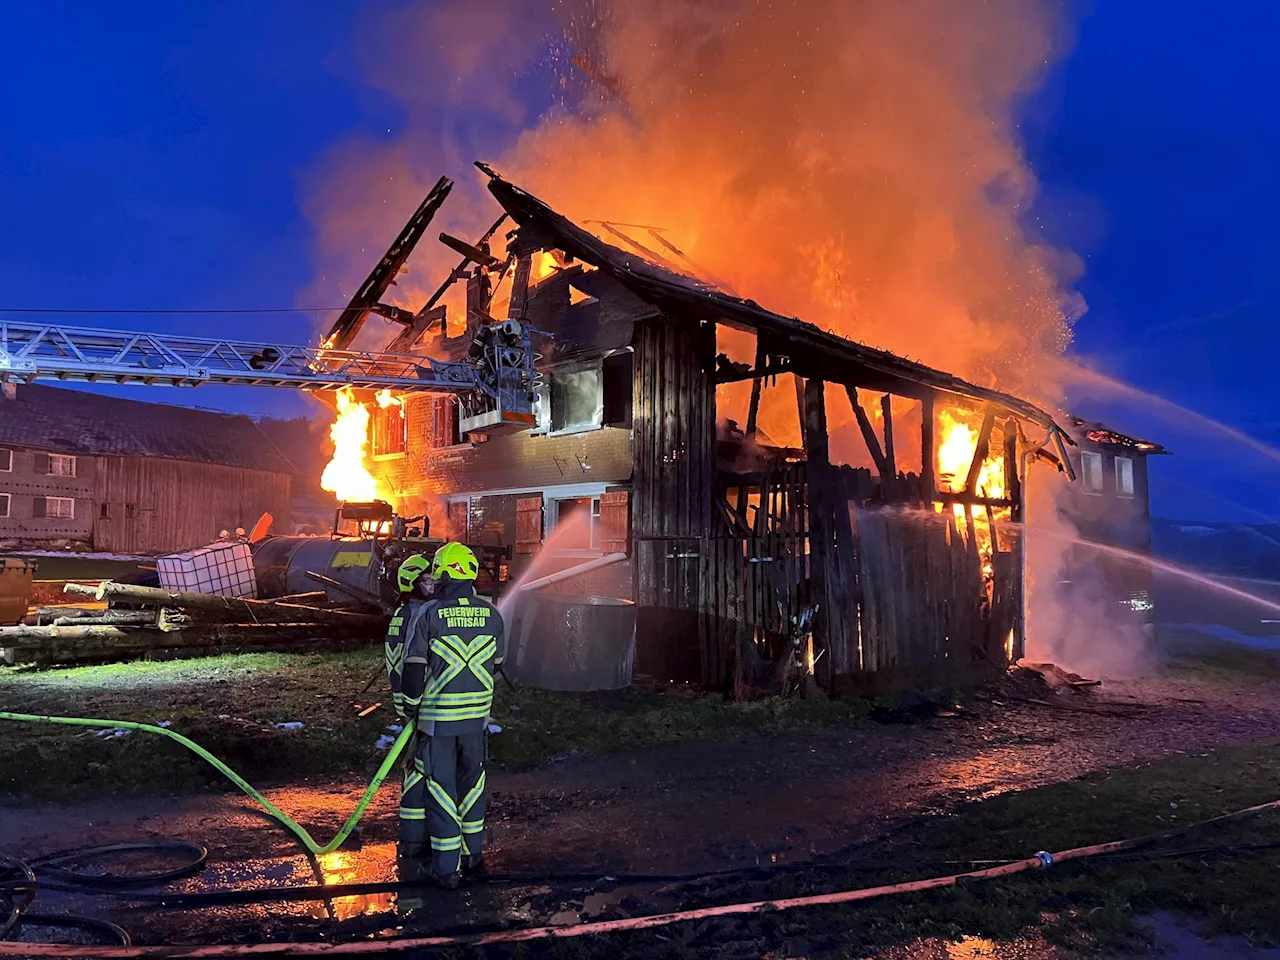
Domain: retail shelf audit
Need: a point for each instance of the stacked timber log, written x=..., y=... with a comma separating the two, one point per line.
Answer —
x=154, y=622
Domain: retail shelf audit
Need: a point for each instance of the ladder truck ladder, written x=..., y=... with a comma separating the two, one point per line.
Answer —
x=499, y=384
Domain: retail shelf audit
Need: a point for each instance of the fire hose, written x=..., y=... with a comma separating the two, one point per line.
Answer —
x=28, y=881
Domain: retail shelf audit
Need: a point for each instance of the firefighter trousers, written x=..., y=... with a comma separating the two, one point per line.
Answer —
x=442, y=800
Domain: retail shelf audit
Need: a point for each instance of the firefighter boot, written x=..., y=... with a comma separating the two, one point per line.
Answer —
x=411, y=867
x=473, y=866
x=447, y=881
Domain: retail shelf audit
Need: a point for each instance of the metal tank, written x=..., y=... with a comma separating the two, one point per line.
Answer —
x=578, y=643
x=281, y=565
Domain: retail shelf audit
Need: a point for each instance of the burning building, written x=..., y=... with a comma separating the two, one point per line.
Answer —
x=910, y=565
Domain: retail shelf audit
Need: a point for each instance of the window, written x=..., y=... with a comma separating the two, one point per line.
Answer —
x=1091, y=472
x=542, y=407
x=55, y=508
x=6, y=461
x=577, y=524
x=1124, y=476
x=61, y=465
x=104, y=512
x=617, y=390
x=445, y=430
x=576, y=400
x=4, y=504
x=389, y=436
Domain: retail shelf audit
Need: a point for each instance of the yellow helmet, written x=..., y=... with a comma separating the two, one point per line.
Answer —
x=455, y=560
x=410, y=571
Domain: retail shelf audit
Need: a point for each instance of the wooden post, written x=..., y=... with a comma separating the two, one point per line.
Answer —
x=868, y=433
x=824, y=575
x=1012, y=482
x=980, y=452
x=928, y=456
x=801, y=409
x=753, y=411
x=890, y=462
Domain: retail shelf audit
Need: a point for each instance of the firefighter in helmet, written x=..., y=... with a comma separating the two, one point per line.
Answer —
x=443, y=648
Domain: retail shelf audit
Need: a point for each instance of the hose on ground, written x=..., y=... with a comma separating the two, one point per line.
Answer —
x=1043, y=860
x=20, y=880
x=26, y=881
x=285, y=820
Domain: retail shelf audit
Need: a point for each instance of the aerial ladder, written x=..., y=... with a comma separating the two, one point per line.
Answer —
x=495, y=383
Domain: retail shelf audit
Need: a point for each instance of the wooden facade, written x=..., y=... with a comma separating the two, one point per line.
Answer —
x=149, y=506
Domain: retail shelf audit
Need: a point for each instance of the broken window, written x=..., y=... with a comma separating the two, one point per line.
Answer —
x=389, y=436
x=4, y=504
x=445, y=429
x=61, y=465
x=6, y=461
x=617, y=389
x=577, y=400
x=1091, y=472
x=1124, y=476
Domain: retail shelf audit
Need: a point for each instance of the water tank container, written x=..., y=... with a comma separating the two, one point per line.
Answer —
x=564, y=642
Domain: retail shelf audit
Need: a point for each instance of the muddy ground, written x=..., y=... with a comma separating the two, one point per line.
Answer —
x=901, y=794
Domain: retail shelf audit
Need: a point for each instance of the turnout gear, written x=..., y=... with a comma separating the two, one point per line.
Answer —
x=456, y=561
x=410, y=570
x=441, y=657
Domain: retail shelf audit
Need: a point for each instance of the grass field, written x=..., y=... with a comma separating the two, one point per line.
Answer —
x=230, y=705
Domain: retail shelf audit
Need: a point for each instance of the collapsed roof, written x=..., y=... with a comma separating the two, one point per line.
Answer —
x=1099, y=433
x=687, y=297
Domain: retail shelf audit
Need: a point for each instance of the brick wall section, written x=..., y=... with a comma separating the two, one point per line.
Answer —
x=24, y=485
x=515, y=461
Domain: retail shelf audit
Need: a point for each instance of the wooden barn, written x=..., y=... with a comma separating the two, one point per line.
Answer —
x=911, y=565
x=84, y=470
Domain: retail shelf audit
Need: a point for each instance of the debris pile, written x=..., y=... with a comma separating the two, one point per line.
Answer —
x=141, y=620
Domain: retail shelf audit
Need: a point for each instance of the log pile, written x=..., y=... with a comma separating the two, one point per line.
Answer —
x=153, y=622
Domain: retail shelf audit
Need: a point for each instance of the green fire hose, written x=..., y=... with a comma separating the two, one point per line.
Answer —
x=288, y=822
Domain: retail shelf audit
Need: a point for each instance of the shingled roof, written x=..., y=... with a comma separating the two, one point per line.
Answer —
x=75, y=421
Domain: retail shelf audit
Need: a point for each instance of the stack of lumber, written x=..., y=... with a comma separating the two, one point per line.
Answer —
x=124, y=621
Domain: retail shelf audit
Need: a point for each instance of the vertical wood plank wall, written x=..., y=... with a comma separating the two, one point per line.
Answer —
x=722, y=563
x=674, y=439
x=161, y=506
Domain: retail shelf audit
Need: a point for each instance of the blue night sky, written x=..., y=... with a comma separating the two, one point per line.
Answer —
x=158, y=158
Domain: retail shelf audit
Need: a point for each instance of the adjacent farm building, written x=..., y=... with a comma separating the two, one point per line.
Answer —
x=79, y=469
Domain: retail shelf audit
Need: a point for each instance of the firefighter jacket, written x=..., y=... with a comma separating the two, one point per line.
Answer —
x=451, y=648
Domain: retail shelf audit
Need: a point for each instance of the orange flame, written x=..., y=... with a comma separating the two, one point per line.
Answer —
x=954, y=458
x=346, y=475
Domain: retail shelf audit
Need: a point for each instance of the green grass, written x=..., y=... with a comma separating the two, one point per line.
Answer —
x=1190, y=655
x=1089, y=906
x=228, y=704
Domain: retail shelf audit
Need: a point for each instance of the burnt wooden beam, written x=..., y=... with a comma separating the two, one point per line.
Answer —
x=802, y=413
x=928, y=456
x=520, y=287
x=825, y=581
x=942, y=496
x=980, y=451
x=890, y=461
x=868, y=432
x=753, y=411
x=768, y=366
x=1012, y=482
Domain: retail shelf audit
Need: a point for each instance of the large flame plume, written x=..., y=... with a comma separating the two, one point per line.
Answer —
x=346, y=475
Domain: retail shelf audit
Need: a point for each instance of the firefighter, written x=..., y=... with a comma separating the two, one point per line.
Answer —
x=444, y=673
